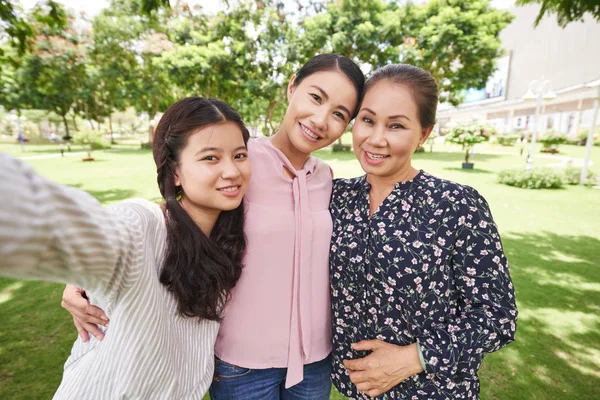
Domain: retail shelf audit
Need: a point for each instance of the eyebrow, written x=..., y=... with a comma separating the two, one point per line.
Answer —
x=218, y=149
x=390, y=117
x=324, y=94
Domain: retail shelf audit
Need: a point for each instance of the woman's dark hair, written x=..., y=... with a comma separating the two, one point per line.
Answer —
x=198, y=270
x=422, y=85
x=329, y=62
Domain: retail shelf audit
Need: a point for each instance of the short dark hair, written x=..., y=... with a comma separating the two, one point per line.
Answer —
x=422, y=85
x=329, y=62
x=198, y=270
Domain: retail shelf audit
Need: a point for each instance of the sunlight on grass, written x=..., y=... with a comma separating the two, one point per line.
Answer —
x=558, y=256
x=7, y=293
x=562, y=279
x=561, y=323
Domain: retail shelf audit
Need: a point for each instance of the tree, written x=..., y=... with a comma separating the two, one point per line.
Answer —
x=53, y=73
x=112, y=64
x=566, y=11
x=18, y=31
x=455, y=40
x=468, y=135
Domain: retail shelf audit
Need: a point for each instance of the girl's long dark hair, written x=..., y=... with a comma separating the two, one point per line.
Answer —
x=200, y=271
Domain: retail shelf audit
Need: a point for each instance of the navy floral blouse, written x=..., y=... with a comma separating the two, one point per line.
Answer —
x=427, y=267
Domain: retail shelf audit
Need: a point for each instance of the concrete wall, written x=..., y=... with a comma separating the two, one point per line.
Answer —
x=567, y=57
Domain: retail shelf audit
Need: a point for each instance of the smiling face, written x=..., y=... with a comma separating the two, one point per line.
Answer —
x=319, y=110
x=387, y=131
x=213, y=169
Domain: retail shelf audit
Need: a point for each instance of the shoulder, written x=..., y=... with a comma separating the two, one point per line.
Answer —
x=343, y=186
x=447, y=190
x=465, y=201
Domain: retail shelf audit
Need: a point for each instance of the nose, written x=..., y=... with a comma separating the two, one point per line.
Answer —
x=230, y=170
x=377, y=137
x=319, y=118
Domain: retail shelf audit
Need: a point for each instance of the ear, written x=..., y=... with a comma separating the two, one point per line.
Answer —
x=176, y=177
x=424, y=135
x=291, y=87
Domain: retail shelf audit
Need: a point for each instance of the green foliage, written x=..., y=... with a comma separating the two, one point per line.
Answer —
x=468, y=135
x=537, y=178
x=507, y=140
x=566, y=11
x=339, y=147
x=583, y=135
x=91, y=140
x=573, y=174
x=551, y=139
x=19, y=31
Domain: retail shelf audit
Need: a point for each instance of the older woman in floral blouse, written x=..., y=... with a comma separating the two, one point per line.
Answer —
x=420, y=285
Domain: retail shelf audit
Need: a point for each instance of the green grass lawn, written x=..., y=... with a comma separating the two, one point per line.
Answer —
x=552, y=240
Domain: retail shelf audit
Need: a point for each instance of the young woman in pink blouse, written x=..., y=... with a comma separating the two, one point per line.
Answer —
x=275, y=337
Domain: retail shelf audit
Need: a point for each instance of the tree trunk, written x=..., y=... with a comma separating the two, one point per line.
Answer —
x=64, y=118
x=74, y=123
x=110, y=128
x=269, y=116
x=467, y=154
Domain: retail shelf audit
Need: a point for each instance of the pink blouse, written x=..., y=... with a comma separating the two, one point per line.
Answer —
x=279, y=315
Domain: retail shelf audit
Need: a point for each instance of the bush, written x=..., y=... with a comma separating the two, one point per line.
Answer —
x=337, y=147
x=92, y=140
x=507, y=140
x=551, y=140
x=583, y=134
x=572, y=175
x=537, y=178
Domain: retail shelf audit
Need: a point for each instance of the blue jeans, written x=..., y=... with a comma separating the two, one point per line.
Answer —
x=237, y=383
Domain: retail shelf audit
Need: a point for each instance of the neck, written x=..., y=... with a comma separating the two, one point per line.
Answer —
x=381, y=184
x=282, y=142
x=205, y=219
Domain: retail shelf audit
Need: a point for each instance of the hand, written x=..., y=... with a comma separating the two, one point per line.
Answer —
x=86, y=317
x=386, y=366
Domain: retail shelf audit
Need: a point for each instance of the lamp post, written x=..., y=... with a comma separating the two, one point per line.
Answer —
x=539, y=90
x=590, y=140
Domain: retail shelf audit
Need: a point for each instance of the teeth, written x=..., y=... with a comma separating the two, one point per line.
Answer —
x=374, y=157
x=309, y=133
x=230, y=189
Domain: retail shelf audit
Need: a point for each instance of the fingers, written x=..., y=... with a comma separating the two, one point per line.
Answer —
x=373, y=393
x=364, y=387
x=358, y=377
x=90, y=329
x=82, y=332
x=366, y=345
x=355, y=365
x=80, y=308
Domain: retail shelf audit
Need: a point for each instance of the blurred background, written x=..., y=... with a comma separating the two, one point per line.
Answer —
x=83, y=85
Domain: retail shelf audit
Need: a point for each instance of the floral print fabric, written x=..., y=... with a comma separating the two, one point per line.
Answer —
x=426, y=267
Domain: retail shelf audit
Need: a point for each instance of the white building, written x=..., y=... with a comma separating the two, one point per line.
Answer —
x=569, y=58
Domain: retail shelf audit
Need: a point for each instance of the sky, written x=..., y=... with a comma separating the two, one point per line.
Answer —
x=93, y=7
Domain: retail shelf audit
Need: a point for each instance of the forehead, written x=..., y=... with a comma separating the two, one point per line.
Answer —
x=224, y=135
x=335, y=83
x=388, y=98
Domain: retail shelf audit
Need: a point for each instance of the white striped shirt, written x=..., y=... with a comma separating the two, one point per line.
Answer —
x=57, y=233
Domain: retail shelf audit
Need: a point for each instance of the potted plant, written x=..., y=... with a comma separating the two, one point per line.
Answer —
x=91, y=140
x=468, y=135
x=550, y=141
